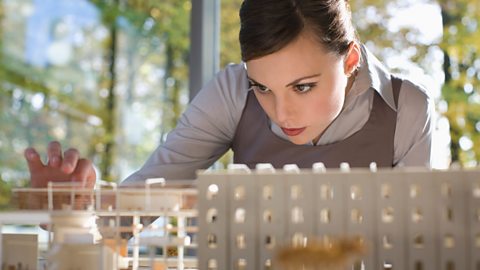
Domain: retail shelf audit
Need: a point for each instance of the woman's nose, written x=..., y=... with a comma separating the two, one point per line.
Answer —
x=283, y=109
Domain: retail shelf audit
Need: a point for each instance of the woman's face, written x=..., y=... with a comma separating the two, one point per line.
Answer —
x=302, y=87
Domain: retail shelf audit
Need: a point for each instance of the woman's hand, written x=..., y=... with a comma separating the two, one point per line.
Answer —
x=60, y=167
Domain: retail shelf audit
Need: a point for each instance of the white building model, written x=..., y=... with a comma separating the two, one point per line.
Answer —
x=408, y=219
x=106, y=228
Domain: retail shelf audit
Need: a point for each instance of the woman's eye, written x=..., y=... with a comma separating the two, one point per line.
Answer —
x=258, y=87
x=302, y=88
x=261, y=88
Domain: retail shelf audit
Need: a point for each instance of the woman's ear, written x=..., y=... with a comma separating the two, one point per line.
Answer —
x=352, y=59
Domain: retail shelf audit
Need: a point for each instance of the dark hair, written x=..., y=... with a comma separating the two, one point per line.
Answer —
x=269, y=25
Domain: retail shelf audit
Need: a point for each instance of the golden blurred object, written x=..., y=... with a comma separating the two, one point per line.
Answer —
x=120, y=246
x=320, y=254
x=30, y=199
x=130, y=199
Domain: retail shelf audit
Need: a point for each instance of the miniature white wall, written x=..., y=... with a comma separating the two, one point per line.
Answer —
x=418, y=220
x=20, y=251
x=81, y=257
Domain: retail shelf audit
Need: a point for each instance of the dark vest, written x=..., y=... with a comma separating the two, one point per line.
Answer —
x=254, y=142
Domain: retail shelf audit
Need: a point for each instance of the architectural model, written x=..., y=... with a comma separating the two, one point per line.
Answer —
x=109, y=227
x=408, y=219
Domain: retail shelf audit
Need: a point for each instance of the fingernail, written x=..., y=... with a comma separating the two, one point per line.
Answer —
x=30, y=155
x=55, y=160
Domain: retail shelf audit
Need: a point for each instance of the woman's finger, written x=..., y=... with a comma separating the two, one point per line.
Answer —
x=84, y=172
x=54, y=153
x=34, y=163
x=91, y=179
x=70, y=160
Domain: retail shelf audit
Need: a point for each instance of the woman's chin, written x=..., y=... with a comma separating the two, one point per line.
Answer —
x=299, y=141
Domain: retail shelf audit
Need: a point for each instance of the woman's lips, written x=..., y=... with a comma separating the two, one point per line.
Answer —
x=293, y=131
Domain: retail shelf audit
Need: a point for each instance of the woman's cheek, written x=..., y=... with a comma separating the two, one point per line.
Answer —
x=329, y=106
x=328, y=110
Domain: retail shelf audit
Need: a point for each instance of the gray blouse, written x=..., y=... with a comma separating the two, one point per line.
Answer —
x=205, y=130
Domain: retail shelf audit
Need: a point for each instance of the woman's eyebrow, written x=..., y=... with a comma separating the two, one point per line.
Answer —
x=255, y=82
x=290, y=84
x=303, y=78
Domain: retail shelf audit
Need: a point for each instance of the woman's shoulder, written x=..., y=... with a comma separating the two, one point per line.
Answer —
x=415, y=124
x=221, y=100
x=230, y=83
x=415, y=87
x=414, y=95
x=232, y=74
x=415, y=113
x=231, y=86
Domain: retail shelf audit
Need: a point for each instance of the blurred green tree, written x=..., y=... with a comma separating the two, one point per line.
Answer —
x=460, y=44
x=83, y=103
x=461, y=90
x=152, y=23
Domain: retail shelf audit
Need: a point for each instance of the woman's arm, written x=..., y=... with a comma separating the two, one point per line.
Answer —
x=415, y=125
x=204, y=131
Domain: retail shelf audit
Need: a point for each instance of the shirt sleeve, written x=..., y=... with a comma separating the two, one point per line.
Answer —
x=204, y=131
x=415, y=123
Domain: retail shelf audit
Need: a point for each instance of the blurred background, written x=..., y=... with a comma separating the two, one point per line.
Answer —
x=112, y=77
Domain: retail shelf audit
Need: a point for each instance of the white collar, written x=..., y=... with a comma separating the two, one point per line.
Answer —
x=372, y=74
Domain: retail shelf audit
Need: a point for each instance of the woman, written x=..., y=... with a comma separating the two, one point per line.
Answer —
x=307, y=91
